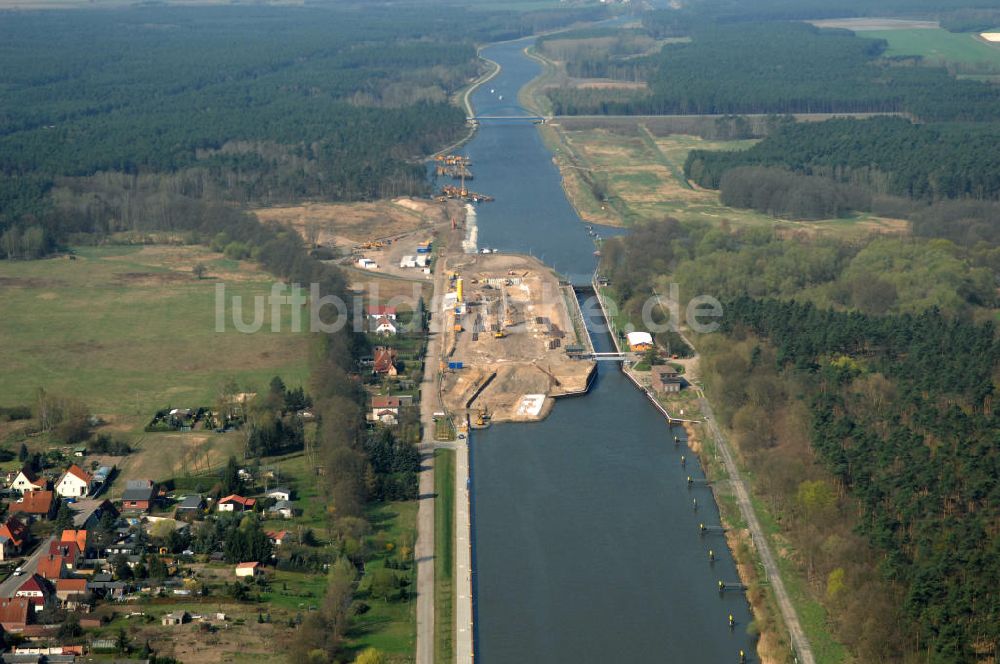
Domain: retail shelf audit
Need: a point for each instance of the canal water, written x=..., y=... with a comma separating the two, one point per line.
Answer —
x=586, y=538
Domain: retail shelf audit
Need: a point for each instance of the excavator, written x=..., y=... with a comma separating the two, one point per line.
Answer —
x=482, y=417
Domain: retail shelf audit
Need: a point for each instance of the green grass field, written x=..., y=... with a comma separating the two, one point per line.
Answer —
x=386, y=626
x=444, y=563
x=128, y=330
x=389, y=626
x=642, y=175
x=938, y=45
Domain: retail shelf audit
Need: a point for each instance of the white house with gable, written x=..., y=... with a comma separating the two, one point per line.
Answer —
x=75, y=483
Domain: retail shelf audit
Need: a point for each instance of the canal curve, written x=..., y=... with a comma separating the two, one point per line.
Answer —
x=586, y=537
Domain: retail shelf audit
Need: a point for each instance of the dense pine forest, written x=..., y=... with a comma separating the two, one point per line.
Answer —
x=117, y=118
x=884, y=155
x=857, y=379
x=776, y=68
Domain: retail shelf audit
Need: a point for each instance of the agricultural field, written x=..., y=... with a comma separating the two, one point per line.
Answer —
x=127, y=330
x=939, y=46
x=640, y=177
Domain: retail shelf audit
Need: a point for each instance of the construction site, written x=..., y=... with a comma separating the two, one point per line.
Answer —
x=513, y=340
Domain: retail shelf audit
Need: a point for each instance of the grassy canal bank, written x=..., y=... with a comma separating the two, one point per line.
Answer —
x=444, y=558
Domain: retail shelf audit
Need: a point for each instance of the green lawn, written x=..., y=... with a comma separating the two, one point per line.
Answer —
x=295, y=470
x=128, y=330
x=444, y=563
x=937, y=45
x=389, y=626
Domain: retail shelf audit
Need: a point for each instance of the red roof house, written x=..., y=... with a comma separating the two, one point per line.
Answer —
x=15, y=614
x=68, y=552
x=66, y=589
x=51, y=567
x=380, y=311
x=36, y=503
x=235, y=503
x=79, y=537
x=277, y=536
x=36, y=589
x=13, y=535
x=74, y=483
x=384, y=361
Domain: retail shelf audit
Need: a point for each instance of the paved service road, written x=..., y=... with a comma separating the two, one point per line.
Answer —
x=424, y=549
x=799, y=641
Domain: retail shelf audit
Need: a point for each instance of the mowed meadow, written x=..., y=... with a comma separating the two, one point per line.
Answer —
x=128, y=330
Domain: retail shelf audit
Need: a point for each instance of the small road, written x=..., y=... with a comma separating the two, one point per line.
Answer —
x=800, y=643
x=424, y=548
x=10, y=585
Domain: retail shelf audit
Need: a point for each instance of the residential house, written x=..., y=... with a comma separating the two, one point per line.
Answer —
x=13, y=536
x=51, y=567
x=77, y=537
x=138, y=496
x=277, y=537
x=280, y=493
x=385, y=409
x=235, y=503
x=26, y=480
x=71, y=592
x=248, y=569
x=639, y=341
x=15, y=614
x=88, y=513
x=37, y=590
x=384, y=363
x=385, y=327
x=40, y=504
x=103, y=586
x=282, y=508
x=175, y=618
x=665, y=378
x=380, y=311
x=74, y=483
x=68, y=551
x=192, y=504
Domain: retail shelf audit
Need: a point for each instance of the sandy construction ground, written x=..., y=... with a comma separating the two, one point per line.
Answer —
x=521, y=299
x=352, y=223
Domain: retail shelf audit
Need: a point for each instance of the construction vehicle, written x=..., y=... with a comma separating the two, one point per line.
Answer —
x=451, y=191
x=483, y=417
x=454, y=166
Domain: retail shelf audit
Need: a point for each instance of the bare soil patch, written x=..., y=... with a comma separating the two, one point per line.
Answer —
x=861, y=24
x=606, y=84
x=359, y=222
